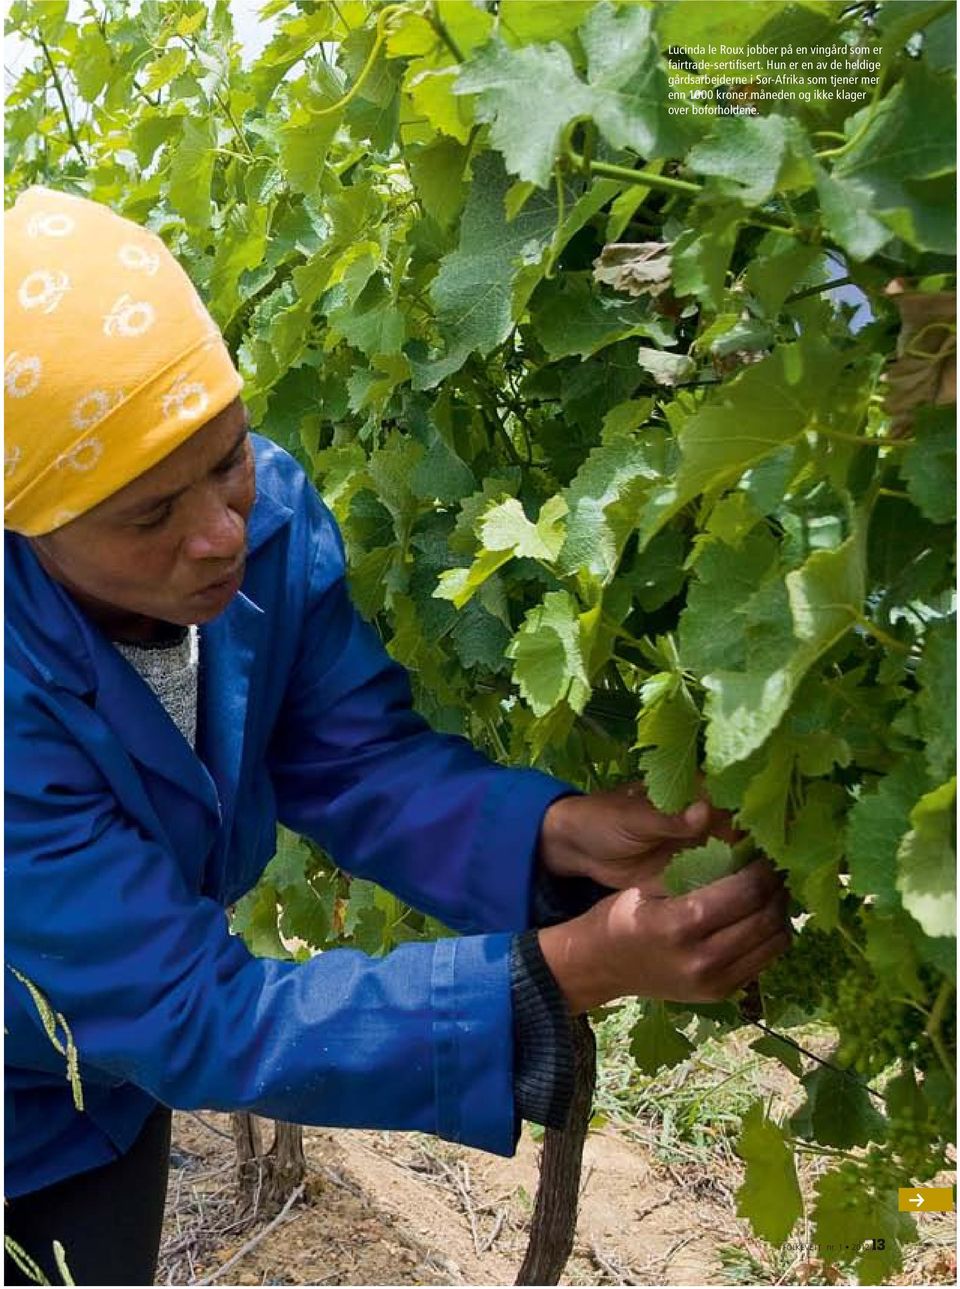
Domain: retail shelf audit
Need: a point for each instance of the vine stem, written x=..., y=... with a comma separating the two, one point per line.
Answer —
x=439, y=26
x=933, y=1027
x=862, y=440
x=386, y=13
x=792, y=1042
x=665, y=183
x=649, y=178
x=817, y=290
x=225, y=108
x=58, y=86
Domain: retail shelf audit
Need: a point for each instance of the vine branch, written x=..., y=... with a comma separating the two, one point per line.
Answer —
x=58, y=86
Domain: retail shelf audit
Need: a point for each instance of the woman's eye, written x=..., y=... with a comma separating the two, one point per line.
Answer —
x=232, y=462
x=156, y=519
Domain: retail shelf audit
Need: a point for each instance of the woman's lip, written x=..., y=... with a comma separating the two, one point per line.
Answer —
x=231, y=582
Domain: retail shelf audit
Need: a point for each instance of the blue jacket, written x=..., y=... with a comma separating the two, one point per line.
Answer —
x=123, y=849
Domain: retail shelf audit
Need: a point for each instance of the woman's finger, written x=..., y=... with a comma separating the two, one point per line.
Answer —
x=729, y=900
x=751, y=964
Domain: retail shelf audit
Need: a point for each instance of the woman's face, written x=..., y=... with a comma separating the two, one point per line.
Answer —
x=170, y=546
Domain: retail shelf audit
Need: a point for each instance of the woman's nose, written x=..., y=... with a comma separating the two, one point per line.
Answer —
x=219, y=532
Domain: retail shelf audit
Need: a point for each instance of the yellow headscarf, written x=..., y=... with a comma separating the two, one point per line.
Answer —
x=111, y=358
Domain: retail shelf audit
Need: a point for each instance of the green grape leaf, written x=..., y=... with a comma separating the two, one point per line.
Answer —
x=930, y=466
x=908, y=138
x=628, y=81
x=655, y=1043
x=813, y=851
x=529, y=21
x=890, y=951
x=669, y=768
x=846, y=204
x=390, y=469
x=763, y=811
x=441, y=475
x=438, y=171
x=875, y=827
x=657, y=573
x=504, y=526
x=469, y=25
x=711, y=633
x=940, y=42
x=927, y=862
x=241, y=246
x=364, y=921
x=699, y=866
x=937, y=700
x=838, y=1110
x=749, y=156
x=770, y=1195
x=371, y=323
x=528, y=95
x=459, y=585
x=776, y=272
x=191, y=171
x=256, y=919
x=766, y=406
x=856, y=1220
x=826, y=596
x=602, y=502
x=505, y=533
x=778, y=1050
x=548, y=657
x=700, y=255
x=570, y=317
x=473, y=291
x=161, y=71
x=480, y=638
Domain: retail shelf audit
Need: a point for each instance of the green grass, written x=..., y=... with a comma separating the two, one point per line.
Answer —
x=685, y=1111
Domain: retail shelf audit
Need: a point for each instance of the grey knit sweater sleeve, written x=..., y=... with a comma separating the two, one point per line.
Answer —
x=542, y=1043
x=542, y=1040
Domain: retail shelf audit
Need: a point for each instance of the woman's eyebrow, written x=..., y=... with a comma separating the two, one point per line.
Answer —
x=161, y=499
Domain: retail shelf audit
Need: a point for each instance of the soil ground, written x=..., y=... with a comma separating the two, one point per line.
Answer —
x=397, y=1209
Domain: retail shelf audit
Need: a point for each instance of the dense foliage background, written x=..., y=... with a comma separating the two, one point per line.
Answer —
x=624, y=485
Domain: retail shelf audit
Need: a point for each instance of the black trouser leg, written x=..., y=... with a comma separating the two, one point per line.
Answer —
x=108, y=1220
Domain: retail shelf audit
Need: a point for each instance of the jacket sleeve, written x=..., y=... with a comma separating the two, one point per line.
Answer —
x=355, y=768
x=159, y=993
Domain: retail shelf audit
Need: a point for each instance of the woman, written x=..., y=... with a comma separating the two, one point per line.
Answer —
x=184, y=669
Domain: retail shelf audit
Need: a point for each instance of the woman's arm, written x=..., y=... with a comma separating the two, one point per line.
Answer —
x=157, y=992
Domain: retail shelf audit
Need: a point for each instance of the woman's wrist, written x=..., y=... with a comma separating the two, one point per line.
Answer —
x=560, y=850
x=574, y=953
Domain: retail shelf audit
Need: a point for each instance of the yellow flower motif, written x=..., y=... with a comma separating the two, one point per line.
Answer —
x=83, y=456
x=43, y=290
x=21, y=374
x=185, y=399
x=11, y=459
x=50, y=225
x=129, y=317
x=132, y=256
x=93, y=407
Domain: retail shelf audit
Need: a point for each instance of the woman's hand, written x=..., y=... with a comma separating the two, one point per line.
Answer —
x=699, y=947
x=619, y=839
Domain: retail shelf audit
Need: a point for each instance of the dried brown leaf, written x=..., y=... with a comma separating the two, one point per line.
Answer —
x=925, y=369
x=636, y=268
